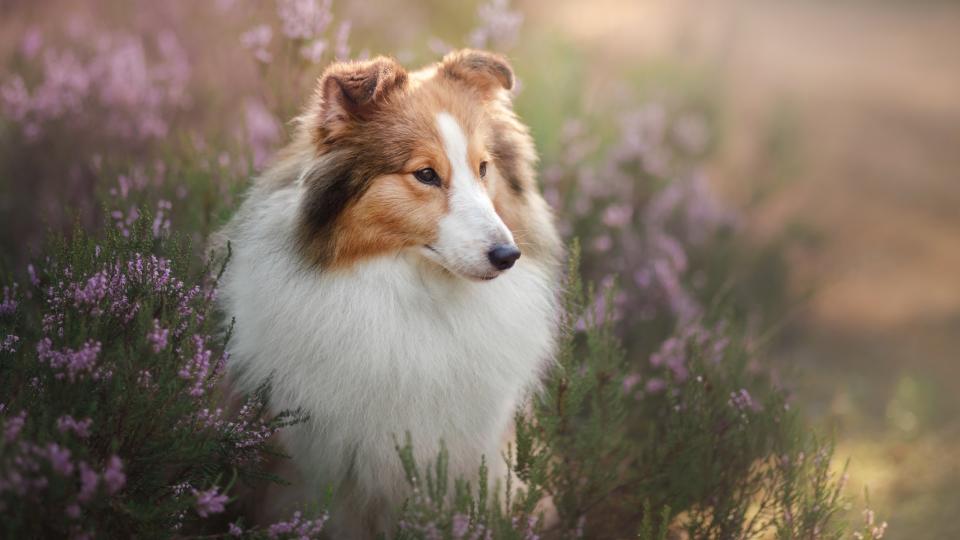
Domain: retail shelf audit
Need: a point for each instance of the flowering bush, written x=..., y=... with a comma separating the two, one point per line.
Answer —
x=659, y=418
x=111, y=416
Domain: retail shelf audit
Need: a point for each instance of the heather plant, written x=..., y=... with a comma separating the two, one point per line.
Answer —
x=646, y=213
x=114, y=423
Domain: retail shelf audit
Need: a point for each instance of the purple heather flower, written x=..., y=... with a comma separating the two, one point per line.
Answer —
x=59, y=459
x=65, y=85
x=9, y=343
x=672, y=354
x=31, y=43
x=209, y=502
x=530, y=533
x=655, y=385
x=161, y=221
x=13, y=426
x=80, y=428
x=304, y=19
x=617, y=215
x=9, y=304
x=113, y=477
x=134, y=93
x=257, y=39
x=304, y=528
x=69, y=363
x=15, y=101
x=198, y=368
x=742, y=401
x=32, y=275
x=158, y=336
x=499, y=26
x=460, y=526
x=145, y=380
x=262, y=130
x=235, y=530
x=313, y=52
x=681, y=303
x=341, y=47
x=73, y=511
x=630, y=381
x=602, y=243
x=88, y=482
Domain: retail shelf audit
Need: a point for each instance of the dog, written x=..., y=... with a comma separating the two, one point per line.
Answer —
x=394, y=271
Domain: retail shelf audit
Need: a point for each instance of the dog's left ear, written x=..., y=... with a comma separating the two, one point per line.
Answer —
x=486, y=71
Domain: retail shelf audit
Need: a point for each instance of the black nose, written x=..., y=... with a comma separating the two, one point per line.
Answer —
x=503, y=256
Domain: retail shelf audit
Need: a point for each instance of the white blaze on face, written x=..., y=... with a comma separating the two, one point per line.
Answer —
x=471, y=227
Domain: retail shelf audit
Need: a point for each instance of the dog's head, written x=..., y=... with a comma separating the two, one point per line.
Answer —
x=432, y=161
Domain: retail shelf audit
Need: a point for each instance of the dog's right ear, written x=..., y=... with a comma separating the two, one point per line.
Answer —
x=351, y=92
x=486, y=71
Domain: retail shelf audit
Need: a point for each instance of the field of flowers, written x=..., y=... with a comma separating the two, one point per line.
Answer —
x=128, y=130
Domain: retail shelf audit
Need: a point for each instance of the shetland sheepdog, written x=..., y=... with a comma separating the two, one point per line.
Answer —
x=394, y=271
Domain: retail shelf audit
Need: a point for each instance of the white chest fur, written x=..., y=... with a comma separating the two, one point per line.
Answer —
x=390, y=346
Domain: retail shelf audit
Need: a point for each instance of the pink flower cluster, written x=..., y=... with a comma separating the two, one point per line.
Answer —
x=24, y=466
x=641, y=209
x=72, y=364
x=246, y=429
x=209, y=502
x=13, y=425
x=675, y=351
x=9, y=304
x=499, y=26
x=305, y=23
x=158, y=337
x=262, y=130
x=198, y=367
x=136, y=183
x=80, y=428
x=743, y=402
x=9, y=343
x=257, y=39
x=298, y=527
x=132, y=90
x=871, y=529
x=304, y=19
x=498, y=29
x=117, y=290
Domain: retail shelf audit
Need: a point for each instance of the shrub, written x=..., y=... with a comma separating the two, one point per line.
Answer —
x=113, y=422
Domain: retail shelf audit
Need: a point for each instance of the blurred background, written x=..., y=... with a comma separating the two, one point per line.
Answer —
x=846, y=116
x=827, y=134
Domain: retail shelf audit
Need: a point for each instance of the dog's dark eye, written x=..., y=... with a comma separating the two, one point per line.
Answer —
x=427, y=176
x=483, y=169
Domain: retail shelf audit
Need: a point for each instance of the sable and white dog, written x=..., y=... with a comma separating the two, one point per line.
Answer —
x=377, y=280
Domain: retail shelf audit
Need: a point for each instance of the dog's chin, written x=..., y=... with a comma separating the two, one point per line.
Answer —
x=431, y=254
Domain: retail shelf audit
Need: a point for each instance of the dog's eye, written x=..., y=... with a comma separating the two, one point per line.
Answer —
x=427, y=176
x=483, y=169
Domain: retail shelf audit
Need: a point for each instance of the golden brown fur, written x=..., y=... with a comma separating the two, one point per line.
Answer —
x=370, y=124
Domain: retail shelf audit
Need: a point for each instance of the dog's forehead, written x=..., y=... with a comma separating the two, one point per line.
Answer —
x=431, y=94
